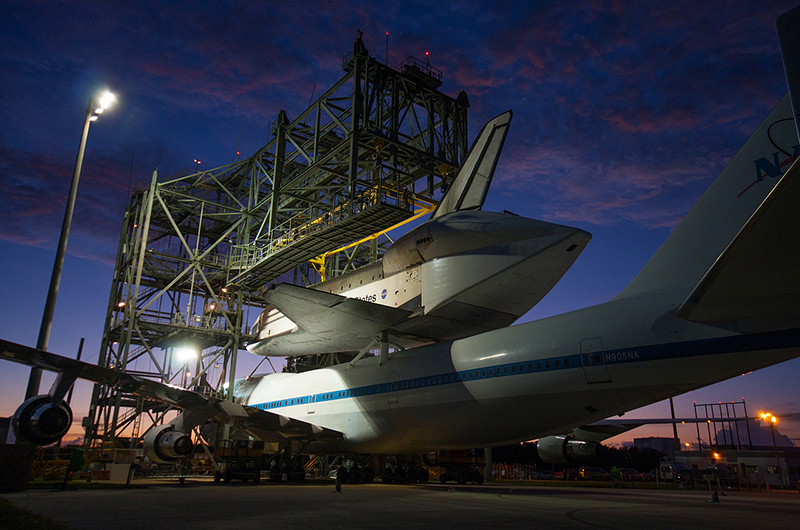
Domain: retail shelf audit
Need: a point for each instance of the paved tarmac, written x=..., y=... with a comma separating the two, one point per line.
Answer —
x=201, y=504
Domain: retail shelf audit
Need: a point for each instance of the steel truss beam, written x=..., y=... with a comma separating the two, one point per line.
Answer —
x=197, y=249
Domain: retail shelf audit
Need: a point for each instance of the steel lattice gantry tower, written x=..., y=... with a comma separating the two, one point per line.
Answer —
x=197, y=249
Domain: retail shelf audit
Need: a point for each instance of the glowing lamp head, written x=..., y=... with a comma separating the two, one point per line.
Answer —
x=769, y=417
x=185, y=354
x=105, y=100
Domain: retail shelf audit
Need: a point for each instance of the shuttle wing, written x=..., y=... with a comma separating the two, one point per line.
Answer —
x=325, y=322
x=754, y=285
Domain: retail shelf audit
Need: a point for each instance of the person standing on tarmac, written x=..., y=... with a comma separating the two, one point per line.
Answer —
x=341, y=477
x=616, y=475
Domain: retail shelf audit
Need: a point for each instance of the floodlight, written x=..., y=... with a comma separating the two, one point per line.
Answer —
x=105, y=100
x=185, y=354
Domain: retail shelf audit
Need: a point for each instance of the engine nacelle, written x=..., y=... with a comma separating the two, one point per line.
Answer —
x=165, y=444
x=41, y=420
x=565, y=449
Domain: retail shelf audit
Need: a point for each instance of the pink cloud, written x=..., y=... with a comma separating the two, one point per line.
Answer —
x=570, y=187
x=36, y=186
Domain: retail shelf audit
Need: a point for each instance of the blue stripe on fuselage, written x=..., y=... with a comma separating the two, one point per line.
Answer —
x=675, y=350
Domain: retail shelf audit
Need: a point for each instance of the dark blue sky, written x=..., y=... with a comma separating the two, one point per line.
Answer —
x=623, y=114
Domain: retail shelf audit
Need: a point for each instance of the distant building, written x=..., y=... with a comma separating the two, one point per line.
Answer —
x=665, y=445
x=752, y=468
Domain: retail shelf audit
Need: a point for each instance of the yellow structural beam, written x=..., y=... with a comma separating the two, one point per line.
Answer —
x=422, y=206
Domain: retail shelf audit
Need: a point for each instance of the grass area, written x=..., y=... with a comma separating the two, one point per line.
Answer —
x=12, y=517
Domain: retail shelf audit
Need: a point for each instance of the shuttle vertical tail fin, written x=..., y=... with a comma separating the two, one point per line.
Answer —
x=470, y=186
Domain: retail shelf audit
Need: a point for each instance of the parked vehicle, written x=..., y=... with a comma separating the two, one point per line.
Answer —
x=630, y=475
x=594, y=473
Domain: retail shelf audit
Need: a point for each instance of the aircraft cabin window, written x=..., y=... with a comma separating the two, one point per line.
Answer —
x=470, y=375
x=491, y=372
x=538, y=366
x=530, y=367
x=547, y=364
x=505, y=369
x=558, y=363
x=521, y=368
x=597, y=359
x=514, y=369
x=566, y=362
x=483, y=372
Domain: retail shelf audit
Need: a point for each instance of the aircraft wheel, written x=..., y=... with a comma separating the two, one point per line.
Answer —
x=256, y=478
x=217, y=476
x=443, y=478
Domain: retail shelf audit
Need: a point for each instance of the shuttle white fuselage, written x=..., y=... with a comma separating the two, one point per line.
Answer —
x=455, y=275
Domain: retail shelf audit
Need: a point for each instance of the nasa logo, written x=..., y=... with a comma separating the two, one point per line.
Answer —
x=766, y=168
x=383, y=294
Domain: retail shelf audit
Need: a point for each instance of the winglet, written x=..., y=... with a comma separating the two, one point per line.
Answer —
x=472, y=183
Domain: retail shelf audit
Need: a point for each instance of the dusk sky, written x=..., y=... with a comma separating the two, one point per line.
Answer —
x=624, y=112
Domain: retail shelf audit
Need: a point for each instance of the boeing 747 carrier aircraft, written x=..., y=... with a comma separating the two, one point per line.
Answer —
x=719, y=298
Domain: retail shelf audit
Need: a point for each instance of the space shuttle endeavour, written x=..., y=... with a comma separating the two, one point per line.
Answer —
x=463, y=272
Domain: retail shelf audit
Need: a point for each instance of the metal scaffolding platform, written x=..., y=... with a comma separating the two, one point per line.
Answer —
x=197, y=249
x=320, y=236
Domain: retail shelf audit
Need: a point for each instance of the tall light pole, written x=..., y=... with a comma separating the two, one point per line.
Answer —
x=97, y=105
x=772, y=422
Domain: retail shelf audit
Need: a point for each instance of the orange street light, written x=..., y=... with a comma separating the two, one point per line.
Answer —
x=773, y=420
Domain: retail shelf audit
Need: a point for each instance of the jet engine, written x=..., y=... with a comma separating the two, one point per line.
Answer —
x=41, y=420
x=165, y=444
x=565, y=449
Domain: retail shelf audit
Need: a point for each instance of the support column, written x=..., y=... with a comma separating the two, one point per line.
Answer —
x=384, y=347
x=487, y=470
